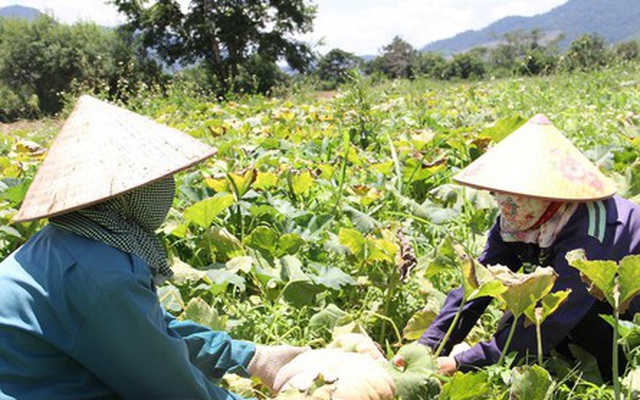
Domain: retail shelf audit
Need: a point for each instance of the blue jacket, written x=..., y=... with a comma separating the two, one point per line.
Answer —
x=606, y=230
x=80, y=319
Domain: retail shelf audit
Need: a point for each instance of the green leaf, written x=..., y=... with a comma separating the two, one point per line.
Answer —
x=289, y=243
x=8, y=230
x=326, y=319
x=15, y=193
x=587, y=364
x=503, y=128
x=413, y=369
x=363, y=222
x=183, y=273
x=332, y=277
x=421, y=320
x=631, y=384
x=598, y=274
x=241, y=263
x=477, y=281
x=262, y=238
x=446, y=257
x=549, y=304
x=170, y=298
x=224, y=244
x=300, y=290
x=469, y=386
x=629, y=332
x=205, y=211
x=220, y=279
x=197, y=310
x=530, y=383
x=286, y=208
x=629, y=280
x=523, y=290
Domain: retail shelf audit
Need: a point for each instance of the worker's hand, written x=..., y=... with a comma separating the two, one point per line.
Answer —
x=357, y=343
x=347, y=376
x=268, y=360
x=447, y=365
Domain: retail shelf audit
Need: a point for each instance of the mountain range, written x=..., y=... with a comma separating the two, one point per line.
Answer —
x=19, y=12
x=615, y=20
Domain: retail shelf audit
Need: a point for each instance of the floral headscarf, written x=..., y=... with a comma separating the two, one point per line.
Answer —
x=530, y=220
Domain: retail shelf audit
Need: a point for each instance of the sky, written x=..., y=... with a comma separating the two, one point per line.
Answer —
x=362, y=27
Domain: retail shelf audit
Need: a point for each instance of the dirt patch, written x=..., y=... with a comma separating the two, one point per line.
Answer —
x=39, y=131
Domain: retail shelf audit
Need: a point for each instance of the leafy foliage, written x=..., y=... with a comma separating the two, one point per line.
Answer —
x=224, y=34
x=39, y=60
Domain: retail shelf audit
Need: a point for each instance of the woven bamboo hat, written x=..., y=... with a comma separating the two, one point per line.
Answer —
x=102, y=151
x=537, y=160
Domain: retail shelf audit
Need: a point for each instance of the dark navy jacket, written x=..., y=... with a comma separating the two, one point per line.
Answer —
x=606, y=230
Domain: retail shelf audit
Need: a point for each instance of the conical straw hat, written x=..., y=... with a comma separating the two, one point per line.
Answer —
x=102, y=151
x=537, y=160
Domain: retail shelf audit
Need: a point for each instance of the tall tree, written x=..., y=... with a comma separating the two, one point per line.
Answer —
x=333, y=68
x=223, y=33
x=398, y=58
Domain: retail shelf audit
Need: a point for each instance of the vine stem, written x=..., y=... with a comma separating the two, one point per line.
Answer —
x=614, y=351
x=539, y=341
x=450, y=330
x=506, y=345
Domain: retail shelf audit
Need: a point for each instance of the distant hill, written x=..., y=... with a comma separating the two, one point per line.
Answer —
x=19, y=12
x=615, y=20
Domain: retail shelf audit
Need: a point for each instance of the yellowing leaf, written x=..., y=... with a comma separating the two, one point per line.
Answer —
x=548, y=305
x=242, y=182
x=381, y=250
x=629, y=280
x=523, y=290
x=218, y=184
x=301, y=183
x=421, y=320
x=477, y=281
x=598, y=274
x=384, y=168
x=352, y=240
x=265, y=181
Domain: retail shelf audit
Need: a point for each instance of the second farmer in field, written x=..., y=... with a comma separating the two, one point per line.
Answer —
x=552, y=200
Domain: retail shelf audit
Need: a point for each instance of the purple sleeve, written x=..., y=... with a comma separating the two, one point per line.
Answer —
x=556, y=327
x=495, y=252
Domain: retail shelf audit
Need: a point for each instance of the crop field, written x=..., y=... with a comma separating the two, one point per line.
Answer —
x=328, y=213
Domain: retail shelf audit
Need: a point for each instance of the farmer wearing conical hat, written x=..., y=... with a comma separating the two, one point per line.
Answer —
x=79, y=315
x=552, y=200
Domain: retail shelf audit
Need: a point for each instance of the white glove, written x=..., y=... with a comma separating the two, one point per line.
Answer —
x=352, y=376
x=268, y=360
x=357, y=343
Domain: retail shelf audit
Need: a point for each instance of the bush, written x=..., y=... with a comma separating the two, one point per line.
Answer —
x=466, y=66
x=586, y=52
x=41, y=59
x=627, y=51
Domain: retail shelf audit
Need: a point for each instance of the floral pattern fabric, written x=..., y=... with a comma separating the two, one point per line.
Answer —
x=530, y=220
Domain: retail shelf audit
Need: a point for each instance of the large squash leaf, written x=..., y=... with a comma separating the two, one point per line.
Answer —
x=413, y=369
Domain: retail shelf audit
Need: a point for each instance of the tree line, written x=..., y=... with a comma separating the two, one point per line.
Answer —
x=226, y=47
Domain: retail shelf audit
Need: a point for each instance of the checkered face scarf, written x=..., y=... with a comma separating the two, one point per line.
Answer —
x=128, y=222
